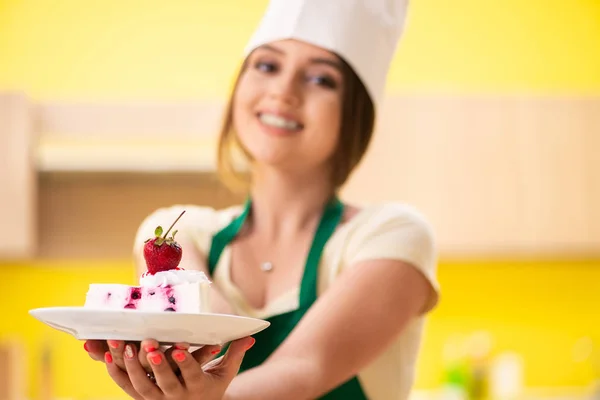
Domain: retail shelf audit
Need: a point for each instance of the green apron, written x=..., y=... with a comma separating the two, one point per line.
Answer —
x=282, y=325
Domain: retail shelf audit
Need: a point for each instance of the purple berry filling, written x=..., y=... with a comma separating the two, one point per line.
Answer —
x=148, y=298
x=135, y=294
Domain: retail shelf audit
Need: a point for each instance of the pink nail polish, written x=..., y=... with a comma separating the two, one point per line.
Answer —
x=251, y=344
x=108, y=358
x=215, y=352
x=113, y=343
x=85, y=346
x=179, y=356
x=149, y=348
x=156, y=360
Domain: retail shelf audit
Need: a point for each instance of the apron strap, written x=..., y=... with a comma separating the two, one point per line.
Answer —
x=222, y=238
x=329, y=221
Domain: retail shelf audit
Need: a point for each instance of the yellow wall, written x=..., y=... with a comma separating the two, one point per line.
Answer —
x=189, y=49
x=538, y=309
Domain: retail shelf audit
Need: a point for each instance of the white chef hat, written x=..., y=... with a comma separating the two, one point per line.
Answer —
x=364, y=33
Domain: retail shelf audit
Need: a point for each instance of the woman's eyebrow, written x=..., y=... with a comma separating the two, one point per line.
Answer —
x=316, y=60
x=327, y=61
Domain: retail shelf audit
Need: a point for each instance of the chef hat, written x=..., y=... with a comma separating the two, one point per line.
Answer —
x=364, y=33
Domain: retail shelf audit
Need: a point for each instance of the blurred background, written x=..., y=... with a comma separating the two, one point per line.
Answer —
x=491, y=127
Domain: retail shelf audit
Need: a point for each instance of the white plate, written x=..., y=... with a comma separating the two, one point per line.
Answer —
x=133, y=325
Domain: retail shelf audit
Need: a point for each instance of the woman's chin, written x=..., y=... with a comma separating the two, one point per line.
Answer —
x=273, y=157
x=272, y=162
x=283, y=158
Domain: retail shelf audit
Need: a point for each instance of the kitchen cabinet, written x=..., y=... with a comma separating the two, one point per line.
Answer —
x=496, y=176
x=96, y=215
x=18, y=217
x=559, y=144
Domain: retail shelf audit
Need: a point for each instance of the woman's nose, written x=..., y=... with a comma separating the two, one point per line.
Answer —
x=286, y=89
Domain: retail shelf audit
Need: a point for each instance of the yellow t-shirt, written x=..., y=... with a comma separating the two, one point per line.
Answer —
x=392, y=231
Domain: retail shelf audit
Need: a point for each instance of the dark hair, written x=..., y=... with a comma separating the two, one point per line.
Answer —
x=356, y=130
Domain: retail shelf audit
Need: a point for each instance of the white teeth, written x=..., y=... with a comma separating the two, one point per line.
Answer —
x=278, y=122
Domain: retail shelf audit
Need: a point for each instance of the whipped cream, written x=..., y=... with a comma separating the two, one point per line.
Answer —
x=172, y=277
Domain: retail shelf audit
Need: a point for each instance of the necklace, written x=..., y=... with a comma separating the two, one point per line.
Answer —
x=266, y=266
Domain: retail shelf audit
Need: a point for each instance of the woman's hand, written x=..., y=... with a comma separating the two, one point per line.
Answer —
x=97, y=349
x=198, y=374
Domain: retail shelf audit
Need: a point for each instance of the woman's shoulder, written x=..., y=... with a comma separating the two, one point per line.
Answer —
x=391, y=230
x=391, y=216
x=397, y=231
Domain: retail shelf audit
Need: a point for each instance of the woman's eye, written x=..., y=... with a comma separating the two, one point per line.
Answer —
x=265, y=66
x=325, y=81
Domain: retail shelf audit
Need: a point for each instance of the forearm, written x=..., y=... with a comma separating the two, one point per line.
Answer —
x=275, y=380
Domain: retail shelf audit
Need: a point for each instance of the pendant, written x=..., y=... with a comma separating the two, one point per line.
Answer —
x=266, y=267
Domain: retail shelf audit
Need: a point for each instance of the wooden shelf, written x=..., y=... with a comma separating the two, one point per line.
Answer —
x=60, y=154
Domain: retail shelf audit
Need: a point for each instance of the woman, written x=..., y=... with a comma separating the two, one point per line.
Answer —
x=345, y=288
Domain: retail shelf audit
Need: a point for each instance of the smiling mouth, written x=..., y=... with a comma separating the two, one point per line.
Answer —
x=279, y=122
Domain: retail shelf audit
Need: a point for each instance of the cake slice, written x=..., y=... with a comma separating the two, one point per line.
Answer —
x=183, y=297
x=163, y=287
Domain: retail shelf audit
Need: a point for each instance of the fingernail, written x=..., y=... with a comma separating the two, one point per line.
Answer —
x=251, y=344
x=85, y=346
x=108, y=357
x=215, y=352
x=113, y=343
x=179, y=356
x=181, y=347
x=128, y=352
x=149, y=348
x=156, y=360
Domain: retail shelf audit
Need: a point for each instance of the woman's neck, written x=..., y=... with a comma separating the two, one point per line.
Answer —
x=283, y=204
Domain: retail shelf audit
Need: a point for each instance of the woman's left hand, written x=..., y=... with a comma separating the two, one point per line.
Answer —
x=198, y=377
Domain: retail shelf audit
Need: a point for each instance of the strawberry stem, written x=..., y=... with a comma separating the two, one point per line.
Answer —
x=173, y=224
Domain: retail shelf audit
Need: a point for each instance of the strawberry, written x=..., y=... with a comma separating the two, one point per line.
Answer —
x=162, y=253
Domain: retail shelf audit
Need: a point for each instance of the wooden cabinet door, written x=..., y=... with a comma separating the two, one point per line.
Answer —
x=592, y=143
x=17, y=178
x=456, y=161
x=559, y=144
x=496, y=176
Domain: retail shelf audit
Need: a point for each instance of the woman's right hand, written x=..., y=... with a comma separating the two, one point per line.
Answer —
x=197, y=374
